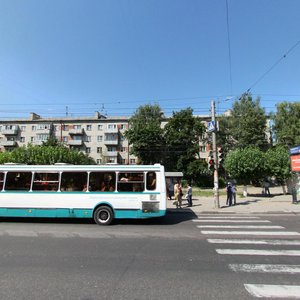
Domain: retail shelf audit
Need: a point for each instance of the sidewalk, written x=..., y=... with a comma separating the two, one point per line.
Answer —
x=254, y=203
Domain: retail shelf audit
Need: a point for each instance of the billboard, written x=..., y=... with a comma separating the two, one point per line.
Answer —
x=295, y=162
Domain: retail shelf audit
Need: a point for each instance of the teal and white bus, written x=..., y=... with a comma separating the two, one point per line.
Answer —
x=101, y=192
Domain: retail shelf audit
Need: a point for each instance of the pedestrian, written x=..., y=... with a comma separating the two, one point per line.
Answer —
x=267, y=187
x=189, y=193
x=177, y=188
x=229, y=194
x=233, y=191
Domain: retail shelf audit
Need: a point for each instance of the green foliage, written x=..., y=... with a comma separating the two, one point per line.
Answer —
x=278, y=162
x=246, y=164
x=146, y=135
x=287, y=124
x=198, y=173
x=247, y=125
x=45, y=155
x=182, y=135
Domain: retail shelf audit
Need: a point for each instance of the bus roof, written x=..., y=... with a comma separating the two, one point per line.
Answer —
x=69, y=167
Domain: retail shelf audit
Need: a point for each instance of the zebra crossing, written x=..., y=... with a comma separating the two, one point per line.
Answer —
x=232, y=231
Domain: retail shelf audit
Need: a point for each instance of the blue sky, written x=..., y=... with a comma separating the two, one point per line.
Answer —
x=115, y=55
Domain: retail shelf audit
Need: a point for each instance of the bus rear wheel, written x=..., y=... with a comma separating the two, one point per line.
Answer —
x=103, y=215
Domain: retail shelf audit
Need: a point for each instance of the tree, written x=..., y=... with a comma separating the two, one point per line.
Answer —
x=45, y=155
x=278, y=163
x=182, y=135
x=146, y=135
x=287, y=124
x=246, y=165
x=247, y=124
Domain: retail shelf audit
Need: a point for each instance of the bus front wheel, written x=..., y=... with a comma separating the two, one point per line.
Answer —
x=103, y=215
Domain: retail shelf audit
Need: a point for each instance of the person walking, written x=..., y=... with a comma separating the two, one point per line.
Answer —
x=233, y=191
x=189, y=195
x=267, y=188
x=229, y=194
x=178, y=194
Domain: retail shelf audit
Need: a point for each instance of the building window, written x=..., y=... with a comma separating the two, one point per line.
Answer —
x=100, y=127
x=202, y=148
x=123, y=149
x=42, y=137
x=88, y=139
x=22, y=139
x=111, y=148
x=56, y=128
x=99, y=138
x=111, y=126
x=65, y=139
x=23, y=128
x=123, y=126
x=65, y=127
x=99, y=149
x=132, y=161
x=123, y=161
x=33, y=128
x=32, y=139
x=43, y=126
x=87, y=150
x=77, y=127
x=88, y=127
x=99, y=161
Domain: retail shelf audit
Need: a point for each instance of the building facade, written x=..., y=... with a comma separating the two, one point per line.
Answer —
x=101, y=137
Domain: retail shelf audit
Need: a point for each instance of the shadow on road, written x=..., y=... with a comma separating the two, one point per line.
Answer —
x=173, y=216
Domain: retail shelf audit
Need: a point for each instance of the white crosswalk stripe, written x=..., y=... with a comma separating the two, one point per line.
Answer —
x=230, y=221
x=234, y=232
x=221, y=225
x=258, y=252
x=255, y=242
x=265, y=268
x=274, y=291
x=241, y=226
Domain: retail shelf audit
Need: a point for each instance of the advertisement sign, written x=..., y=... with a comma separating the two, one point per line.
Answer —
x=295, y=162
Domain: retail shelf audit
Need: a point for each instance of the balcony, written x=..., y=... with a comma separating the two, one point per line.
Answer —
x=111, y=142
x=111, y=153
x=43, y=131
x=75, y=142
x=111, y=130
x=76, y=131
x=10, y=131
x=9, y=143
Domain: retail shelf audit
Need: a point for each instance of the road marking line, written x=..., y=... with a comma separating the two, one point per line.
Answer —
x=273, y=291
x=228, y=217
x=265, y=268
x=249, y=232
x=231, y=221
x=21, y=233
x=258, y=252
x=242, y=226
x=257, y=242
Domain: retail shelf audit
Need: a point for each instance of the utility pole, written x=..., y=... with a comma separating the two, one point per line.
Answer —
x=215, y=156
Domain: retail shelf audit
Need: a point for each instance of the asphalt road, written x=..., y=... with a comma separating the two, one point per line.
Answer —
x=170, y=258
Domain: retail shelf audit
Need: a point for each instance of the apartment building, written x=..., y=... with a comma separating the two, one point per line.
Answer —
x=101, y=137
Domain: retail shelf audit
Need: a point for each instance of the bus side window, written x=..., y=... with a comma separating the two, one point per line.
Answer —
x=18, y=181
x=45, y=182
x=1, y=181
x=151, y=181
x=102, y=181
x=131, y=182
x=73, y=181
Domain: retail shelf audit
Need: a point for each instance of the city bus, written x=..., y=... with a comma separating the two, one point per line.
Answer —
x=100, y=192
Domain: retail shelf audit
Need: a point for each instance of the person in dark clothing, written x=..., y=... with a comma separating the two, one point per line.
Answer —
x=229, y=194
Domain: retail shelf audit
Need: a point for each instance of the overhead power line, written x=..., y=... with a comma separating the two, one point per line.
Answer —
x=273, y=66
